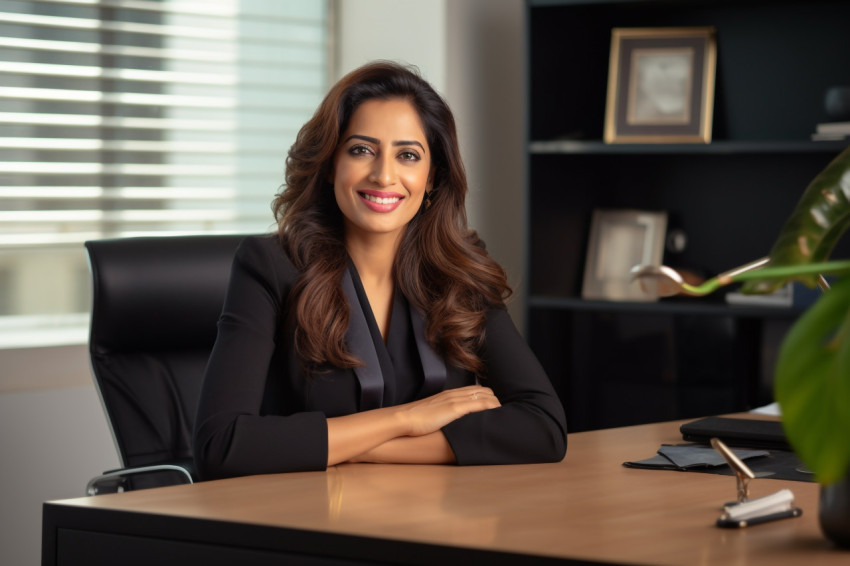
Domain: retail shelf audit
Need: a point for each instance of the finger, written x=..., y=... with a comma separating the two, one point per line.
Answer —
x=467, y=389
x=471, y=389
x=480, y=392
x=476, y=396
x=468, y=392
x=483, y=399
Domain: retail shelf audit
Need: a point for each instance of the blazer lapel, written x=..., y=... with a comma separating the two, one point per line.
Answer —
x=360, y=341
x=433, y=366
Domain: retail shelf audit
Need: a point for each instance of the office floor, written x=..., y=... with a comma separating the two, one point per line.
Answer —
x=51, y=443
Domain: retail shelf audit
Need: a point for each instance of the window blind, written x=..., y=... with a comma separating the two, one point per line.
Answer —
x=137, y=117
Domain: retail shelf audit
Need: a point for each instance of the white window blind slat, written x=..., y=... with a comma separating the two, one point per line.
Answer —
x=224, y=9
x=127, y=193
x=79, y=47
x=71, y=144
x=256, y=31
x=218, y=8
x=250, y=100
x=135, y=117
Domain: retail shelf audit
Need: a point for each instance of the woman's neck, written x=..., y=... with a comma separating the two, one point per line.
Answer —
x=374, y=257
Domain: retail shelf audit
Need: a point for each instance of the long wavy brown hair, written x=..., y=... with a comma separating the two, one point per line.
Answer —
x=441, y=266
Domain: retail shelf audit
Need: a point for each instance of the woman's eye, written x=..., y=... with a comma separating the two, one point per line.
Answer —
x=359, y=150
x=409, y=156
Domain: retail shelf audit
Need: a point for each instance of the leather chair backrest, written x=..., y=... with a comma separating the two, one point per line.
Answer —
x=156, y=302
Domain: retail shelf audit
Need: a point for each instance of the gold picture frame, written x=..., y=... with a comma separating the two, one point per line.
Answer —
x=661, y=85
x=619, y=240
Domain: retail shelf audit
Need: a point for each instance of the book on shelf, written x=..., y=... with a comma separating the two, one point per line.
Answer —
x=830, y=137
x=833, y=128
x=831, y=131
x=782, y=297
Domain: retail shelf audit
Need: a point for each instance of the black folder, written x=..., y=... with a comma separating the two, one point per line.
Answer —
x=746, y=433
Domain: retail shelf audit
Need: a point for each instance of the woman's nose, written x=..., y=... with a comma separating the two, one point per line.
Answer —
x=383, y=172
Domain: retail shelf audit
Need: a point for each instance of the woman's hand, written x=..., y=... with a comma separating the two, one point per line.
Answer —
x=433, y=413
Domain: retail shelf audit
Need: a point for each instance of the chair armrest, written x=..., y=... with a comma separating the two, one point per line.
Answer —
x=113, y=481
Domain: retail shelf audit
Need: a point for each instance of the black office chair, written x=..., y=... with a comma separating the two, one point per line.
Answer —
x=155, y=306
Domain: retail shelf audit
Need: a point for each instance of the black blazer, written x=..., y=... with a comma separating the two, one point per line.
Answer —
x=258, y=413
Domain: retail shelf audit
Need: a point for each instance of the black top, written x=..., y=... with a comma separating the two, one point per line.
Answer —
x=259, y=413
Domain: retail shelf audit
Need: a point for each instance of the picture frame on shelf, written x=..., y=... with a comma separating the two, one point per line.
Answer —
x=619, y=240
x=661, y=85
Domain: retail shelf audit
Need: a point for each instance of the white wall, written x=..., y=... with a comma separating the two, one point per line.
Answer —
x=485, y=74
x=405, y=31
x=53, y=434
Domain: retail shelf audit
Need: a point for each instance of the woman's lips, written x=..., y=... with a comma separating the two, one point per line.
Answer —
x=380, y=201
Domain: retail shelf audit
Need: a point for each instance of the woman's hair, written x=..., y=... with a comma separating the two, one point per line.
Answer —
x=441, y=266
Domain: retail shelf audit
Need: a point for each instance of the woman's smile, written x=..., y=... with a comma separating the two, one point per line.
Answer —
x=381, y=201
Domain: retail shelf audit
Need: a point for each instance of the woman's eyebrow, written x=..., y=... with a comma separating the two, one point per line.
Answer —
x=408, y=142
x=376, y=141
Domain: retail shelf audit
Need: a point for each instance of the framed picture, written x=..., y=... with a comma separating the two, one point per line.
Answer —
x=660, y=85
x=619, y=240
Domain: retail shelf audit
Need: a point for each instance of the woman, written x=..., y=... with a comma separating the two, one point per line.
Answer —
x=372, y=327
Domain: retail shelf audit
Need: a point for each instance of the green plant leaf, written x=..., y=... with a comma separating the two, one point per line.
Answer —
x=817, y=222
x=813, y=384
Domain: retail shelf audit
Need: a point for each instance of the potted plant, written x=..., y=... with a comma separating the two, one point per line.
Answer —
x=812, y=378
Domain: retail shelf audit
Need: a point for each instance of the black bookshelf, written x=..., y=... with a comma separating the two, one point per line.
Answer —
x=627, y=363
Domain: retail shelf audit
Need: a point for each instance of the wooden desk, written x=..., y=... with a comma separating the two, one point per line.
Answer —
x=588, y=508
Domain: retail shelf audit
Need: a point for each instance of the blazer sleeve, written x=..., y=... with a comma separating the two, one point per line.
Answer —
x=530, y=426
x=232, y=437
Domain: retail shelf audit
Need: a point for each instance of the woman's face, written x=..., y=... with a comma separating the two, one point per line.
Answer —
x=381, y=168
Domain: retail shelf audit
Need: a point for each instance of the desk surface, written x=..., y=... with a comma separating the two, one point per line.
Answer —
x=586, y=508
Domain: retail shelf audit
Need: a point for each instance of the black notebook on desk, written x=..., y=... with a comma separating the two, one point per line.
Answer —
x=747, y=433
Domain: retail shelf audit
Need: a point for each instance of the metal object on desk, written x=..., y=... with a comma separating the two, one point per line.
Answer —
x=743, y=473
x=746, y=512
